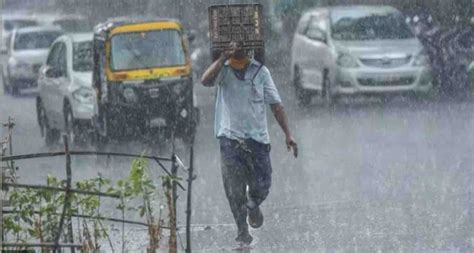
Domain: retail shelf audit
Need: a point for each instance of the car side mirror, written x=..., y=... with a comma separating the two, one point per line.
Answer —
x=191, y=36
x=51, y=72
x=316, y=34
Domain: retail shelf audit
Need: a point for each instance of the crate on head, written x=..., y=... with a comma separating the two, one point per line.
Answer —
x=241, y=23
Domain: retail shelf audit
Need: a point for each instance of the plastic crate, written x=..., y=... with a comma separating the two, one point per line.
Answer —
x=241, y=23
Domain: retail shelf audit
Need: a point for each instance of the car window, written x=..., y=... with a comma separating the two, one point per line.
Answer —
x=74, y=25
x=53, y=55
x=142, y=50
x=62, y=59
x=318, y=22
x=35, y=40
x=82, y=56
x=303, y=24
x=367, y=25
x=9, y=25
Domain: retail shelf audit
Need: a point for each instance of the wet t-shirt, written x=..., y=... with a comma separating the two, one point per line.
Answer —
x=241, y=104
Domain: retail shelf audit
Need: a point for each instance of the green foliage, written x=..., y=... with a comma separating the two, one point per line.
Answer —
x=36, y=212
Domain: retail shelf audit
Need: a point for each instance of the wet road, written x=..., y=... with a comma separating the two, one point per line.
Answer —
x=371, y=176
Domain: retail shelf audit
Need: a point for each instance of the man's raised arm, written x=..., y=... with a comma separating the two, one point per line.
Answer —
x=211, y=73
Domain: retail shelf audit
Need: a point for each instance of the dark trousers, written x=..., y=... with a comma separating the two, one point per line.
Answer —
x=245, y=163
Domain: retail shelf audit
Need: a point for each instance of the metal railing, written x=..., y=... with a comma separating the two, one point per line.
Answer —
x=68, y=190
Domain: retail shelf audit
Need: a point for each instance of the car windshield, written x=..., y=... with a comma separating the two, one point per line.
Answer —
x=357, y=25
x=35, y=40
x=82, y=56
x=9, y=25
x=74, y=25
x=142, y=50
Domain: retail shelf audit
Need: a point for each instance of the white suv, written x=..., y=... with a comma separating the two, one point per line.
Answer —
x=65, y=101
x=357, y=50
x=11, y=22
x=69, y=23
x=27, y=51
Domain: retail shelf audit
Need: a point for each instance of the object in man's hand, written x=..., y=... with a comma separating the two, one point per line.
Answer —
x=241, y=23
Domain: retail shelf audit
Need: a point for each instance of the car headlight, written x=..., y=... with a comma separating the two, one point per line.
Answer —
x=84, y=95
x=347, y=61
x=129, y=95
x=422, y=59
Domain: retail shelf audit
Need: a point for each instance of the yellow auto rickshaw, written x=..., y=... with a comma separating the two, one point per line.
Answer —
x=143, y=79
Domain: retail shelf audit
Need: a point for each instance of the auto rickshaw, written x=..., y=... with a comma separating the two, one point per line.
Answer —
x=143, y=79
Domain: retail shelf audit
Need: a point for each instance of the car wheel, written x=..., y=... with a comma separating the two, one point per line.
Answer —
x=102, y=135
x=14, y=90
x=190, y=132
x=51, y=135
x=327, y=93
x=40, y=116
x=303, y=96
x=6, y=89
x=73, y=130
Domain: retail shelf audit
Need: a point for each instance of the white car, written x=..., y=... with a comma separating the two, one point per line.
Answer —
x=11, y=22
x=29, y=47
x=357, y=50
x=68, y=23
x=66, y=100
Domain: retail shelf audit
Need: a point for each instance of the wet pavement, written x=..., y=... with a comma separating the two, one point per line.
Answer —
x=371, y=176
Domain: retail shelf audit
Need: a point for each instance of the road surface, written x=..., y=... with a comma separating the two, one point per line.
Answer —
x=371, y=176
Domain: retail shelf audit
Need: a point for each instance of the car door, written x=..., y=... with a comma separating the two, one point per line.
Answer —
x=58, y=87
x=45, y=82
x=314, y=60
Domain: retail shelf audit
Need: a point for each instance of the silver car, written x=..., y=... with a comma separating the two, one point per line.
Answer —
x=69, y=23
x=357, y=50
x=28, y=50
x=65, y=101
x=11, y=22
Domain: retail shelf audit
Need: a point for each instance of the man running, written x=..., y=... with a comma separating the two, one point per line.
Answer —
x=244, y=87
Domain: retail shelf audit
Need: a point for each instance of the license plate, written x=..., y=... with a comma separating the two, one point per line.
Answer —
x=387, y=79
x=154, y=92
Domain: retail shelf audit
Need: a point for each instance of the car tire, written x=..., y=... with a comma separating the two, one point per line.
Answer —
x=6, y=89
x=72, y=128
x=102, y=136
x=13, y=87
x=51, y=135
x=188, y=137
x=327, y=93
x=40, y=116
x=303, y=96
x=189, y=133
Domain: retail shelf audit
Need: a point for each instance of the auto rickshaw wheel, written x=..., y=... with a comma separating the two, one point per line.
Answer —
x=188, y=136
x=189, y=132
x=102, y=132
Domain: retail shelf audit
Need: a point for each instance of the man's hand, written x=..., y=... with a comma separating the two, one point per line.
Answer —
x=291, y=144
x=280, y=116
x=211, y=73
